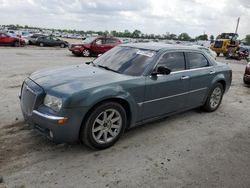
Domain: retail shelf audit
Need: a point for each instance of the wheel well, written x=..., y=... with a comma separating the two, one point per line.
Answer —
x=223, y=84
x=122, y=102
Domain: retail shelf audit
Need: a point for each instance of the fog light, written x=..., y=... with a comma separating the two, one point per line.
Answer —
x=51, y=134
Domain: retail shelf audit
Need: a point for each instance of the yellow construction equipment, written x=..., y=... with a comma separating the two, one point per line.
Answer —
x=226, y=43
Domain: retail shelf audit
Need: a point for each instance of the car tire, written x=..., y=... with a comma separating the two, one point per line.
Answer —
x=86, y=53
x=218, y=54
x=104, y=125
x=41, y=44
x=62, y=45
x=16, y=44
x=214, y=98
x=246, y=82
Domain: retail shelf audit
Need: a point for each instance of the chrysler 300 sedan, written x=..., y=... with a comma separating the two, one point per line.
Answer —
x=127, y=86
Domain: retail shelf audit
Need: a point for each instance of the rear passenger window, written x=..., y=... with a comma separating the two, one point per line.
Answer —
x=110, y=41
x=197, y=60
x=175, y=61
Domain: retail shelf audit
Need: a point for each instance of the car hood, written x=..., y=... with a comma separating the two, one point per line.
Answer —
x=71, y=79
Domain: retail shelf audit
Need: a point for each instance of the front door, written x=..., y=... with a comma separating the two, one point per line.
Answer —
x=166, y=94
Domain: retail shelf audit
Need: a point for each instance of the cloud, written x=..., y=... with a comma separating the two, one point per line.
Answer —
x=149, y=16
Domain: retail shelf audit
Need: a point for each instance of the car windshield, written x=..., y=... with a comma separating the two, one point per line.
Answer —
x=126, y=60
x=88, y=40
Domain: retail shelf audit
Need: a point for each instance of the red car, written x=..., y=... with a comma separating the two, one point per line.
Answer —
x=246, y=77
x=94, y=46
x=7, y=40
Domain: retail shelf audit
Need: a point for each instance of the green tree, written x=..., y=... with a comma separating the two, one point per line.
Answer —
x=248, y=39
x=184, y=36
x=211, y=37
x=202, y=37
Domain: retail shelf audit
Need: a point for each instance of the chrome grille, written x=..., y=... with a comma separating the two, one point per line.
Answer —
x=28, y=99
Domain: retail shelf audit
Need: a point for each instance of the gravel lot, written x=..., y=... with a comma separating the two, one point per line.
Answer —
x=192, y=149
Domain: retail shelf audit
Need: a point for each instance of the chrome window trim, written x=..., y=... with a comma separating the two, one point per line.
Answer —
x=171, y=96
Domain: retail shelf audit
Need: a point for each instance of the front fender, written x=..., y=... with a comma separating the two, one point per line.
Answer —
x=97, y=95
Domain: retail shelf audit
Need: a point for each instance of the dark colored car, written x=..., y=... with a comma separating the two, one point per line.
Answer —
x=246, y=77
x=7, y=40
x=51, y=41
x=126, y=86
x=32, y=39
x=94, y=46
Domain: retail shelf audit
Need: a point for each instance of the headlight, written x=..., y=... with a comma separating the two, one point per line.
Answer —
x=248, y=65
x=53, y=102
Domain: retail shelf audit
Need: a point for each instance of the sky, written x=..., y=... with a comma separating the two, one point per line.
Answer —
x=194, y=17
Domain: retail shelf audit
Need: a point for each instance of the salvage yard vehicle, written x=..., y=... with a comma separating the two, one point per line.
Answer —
x=246, y=77
x=225, y=43
x=32, y=39
x=94, y=46
x=7, y=40
x=50, y=41
x=129, y=85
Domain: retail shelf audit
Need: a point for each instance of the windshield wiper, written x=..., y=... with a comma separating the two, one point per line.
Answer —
x=107, y=68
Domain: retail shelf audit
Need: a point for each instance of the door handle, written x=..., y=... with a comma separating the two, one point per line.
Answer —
x=184, y=77
x=212, y=72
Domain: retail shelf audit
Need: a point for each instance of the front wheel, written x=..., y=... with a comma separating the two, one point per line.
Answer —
x=86, y=53
x=41, y=44
x=16, y=44
x=62, y=45
x=214, y=98
x=104, y=126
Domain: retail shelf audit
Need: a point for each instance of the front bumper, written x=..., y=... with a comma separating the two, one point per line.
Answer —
x=48, y=124
x=246, y=78
x=61, y=127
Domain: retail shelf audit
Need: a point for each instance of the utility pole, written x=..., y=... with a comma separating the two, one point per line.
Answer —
x=238, y=21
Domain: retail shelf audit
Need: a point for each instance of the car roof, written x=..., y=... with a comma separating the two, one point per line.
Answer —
x=160, y=46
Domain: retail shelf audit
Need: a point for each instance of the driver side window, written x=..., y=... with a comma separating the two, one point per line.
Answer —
x=99, y=41
x=175, y=61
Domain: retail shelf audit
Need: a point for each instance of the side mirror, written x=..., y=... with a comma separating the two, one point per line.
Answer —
x=161, y=70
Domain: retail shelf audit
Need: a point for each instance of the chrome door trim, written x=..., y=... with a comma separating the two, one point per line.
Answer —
x=171, y=96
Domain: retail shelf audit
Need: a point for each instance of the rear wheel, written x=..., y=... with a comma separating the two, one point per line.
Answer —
x=41, y=44
x=86, y=53
x=104, y=126
x=214, y=98
x=62, y=45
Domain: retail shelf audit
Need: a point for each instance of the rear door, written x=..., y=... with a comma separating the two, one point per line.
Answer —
x=166, y=93
x=201, y=73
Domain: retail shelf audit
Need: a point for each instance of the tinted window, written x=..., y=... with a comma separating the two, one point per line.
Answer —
x=110, y=41
x=126, y=60
x=175, y=61
x=197, y=60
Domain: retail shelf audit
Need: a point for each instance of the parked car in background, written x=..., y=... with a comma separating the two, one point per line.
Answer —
x=94, y=46
x=32, y=39
x=246, y=77
x=126, y=86
x=50, y=41
x=7, y=40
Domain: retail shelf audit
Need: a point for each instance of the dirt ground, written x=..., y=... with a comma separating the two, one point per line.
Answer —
x=191, y=149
